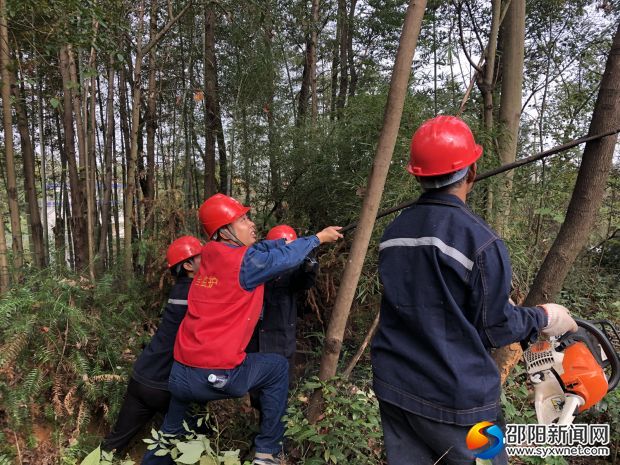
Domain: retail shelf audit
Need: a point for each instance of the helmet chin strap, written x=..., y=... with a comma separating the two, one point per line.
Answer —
x=229, y=230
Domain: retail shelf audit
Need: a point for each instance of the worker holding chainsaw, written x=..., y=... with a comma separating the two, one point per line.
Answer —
x=224, y=304
x=446, y=277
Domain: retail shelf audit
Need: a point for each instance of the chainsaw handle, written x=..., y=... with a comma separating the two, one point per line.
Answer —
x=608, y=348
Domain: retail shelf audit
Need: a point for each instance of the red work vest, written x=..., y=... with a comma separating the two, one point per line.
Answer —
x=221, y=315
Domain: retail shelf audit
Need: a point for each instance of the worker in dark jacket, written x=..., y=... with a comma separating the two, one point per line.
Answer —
x=147, y=392
x=276, y=327
x=224, y=304
x=446, y=278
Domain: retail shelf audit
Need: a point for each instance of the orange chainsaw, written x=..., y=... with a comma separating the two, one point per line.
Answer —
x=572, y=373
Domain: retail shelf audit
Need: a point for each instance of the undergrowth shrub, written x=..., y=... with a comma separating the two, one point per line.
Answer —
x=66, y=346
x=348, y=431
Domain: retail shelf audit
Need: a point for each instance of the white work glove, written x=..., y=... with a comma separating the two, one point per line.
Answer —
x=559, y=320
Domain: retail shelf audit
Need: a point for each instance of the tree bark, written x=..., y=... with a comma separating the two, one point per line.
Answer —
x=60, y=245
x=334, y=73
x=513, y=46
x=272, y=134
x=589, y=187
x=133, y=147
x=90, y=137
x=78, y=202
x=352, y=71
x=343, y=48
x=210, y=86
x=312, y=53
x=489, y=68
x=372, y=199
x=304, y=91
x=11, y=178
x=151, y=124
x=107, y=155
x=4, y=262
x=43, y=172
x=28, y=158
x=221, y=144
x=585, y=202
x=83, y=164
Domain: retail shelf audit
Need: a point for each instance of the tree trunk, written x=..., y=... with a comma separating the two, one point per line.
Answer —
x=34, y=215
x=43, y=173
x=4, y=262
x=133, y=154
x=210, y=90
x=11, y=179
x=124, y=122
x=589, y=187
x=108, y=154
x=272, y=134
x=343, y=48
x=584, y=204
x=81, y=122
x=151, y=124
x=312, y=53
x=489, y=68
x=513, y=46
x=350, y=56
x=117, y=203
x=90, y=128
x=221, y=144
x=60, y=245
x=78, y=202
x=372, y=199
x=334, y=73
x=304, y=91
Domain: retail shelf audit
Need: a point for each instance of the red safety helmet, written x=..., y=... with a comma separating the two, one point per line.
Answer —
x=442, y=145
x=220, y=210
x=182, y=249
x=282, y=231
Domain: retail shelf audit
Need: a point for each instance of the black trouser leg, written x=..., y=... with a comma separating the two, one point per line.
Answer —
x=140, y=404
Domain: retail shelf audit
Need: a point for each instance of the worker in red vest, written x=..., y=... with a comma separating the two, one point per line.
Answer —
x=224, y=304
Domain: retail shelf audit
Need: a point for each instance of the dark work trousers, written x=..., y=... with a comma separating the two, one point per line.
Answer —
x=410, y=438
x=255, y=395
x=253, y=347
x=267, y=373
x=141, y=403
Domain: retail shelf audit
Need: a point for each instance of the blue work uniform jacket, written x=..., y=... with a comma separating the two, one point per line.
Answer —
x=152, y=368
x=446, y=278
x=276, y=327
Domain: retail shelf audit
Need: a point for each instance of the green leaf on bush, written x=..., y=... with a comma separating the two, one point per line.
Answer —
x=191, y=451
x=208, y=461
x=93, y=458
x=230, y=458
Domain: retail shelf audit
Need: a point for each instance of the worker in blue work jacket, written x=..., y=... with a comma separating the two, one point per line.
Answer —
x=147, y=392
x=275, y=331
x=446, y=278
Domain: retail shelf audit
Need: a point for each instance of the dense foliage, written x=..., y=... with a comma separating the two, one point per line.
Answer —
x=72, y=321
